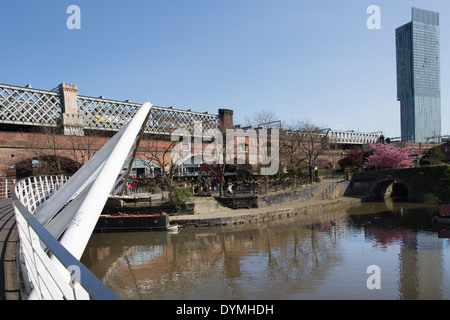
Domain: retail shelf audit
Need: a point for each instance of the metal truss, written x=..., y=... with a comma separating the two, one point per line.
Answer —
x=351, y=137
x=104, y=114
x=167, y=120
x=28, y=106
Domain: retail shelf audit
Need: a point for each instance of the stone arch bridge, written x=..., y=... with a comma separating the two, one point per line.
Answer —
x=412, y=184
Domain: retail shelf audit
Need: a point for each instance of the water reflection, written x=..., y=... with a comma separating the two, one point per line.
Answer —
x=422, y=252
x=324, y=257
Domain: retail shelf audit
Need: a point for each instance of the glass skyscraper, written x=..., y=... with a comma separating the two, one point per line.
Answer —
x=418, y=76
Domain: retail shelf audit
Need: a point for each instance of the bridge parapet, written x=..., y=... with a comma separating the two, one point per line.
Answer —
x=46, y=264
x=338, y=137
x=372, y=175
x=28, y=106
x=64, y=107
x=351, y=137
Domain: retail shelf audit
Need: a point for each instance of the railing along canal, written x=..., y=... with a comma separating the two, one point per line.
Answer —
x=49, y=269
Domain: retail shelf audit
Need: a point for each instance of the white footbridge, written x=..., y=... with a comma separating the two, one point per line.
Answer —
x=56, y=216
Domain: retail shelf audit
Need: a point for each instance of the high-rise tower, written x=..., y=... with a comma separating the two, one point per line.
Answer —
x=418, y=76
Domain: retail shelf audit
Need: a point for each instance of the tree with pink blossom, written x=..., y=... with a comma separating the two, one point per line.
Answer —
x=387, y=156
x=323, y=162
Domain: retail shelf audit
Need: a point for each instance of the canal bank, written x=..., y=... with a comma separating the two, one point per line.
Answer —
x=281, y=211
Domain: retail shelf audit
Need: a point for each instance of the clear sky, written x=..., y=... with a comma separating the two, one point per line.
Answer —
x=305, y=60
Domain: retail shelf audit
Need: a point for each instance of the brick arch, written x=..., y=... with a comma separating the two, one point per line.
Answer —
x=10, y=157
x=20, y=146
x=380, y=187
x=45, y=165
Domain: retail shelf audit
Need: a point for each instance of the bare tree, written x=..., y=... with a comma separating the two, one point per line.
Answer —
x=301, y=144
x=262, y=119
x=291, y=156
x=265, y=119
x=52, y=153
x=313, y=145
x=160, y=153
x=354, y=158
x=84, y=148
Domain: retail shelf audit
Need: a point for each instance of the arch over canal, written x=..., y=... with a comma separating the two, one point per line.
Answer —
x=390, y=188
x=414, y=184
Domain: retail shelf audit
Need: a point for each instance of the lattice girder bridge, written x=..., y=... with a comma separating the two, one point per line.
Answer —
x=63, y=107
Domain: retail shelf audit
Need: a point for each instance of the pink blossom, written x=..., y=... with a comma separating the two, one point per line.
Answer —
x=388, y=156
x=322, y=161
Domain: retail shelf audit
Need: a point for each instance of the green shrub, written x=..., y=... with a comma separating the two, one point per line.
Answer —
x=179, y=197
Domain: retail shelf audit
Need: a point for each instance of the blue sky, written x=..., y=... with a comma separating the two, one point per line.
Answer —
x=304, y=60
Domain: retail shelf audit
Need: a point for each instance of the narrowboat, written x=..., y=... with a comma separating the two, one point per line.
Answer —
x=134, y=222
x=443, y=216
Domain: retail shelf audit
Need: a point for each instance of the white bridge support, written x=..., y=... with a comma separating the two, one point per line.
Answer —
x=93, y=197
x=71, y=212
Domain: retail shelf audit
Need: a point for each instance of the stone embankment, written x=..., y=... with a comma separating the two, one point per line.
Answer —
x=219, y=215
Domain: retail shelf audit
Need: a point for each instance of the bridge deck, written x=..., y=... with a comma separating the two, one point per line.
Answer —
x=9, y=284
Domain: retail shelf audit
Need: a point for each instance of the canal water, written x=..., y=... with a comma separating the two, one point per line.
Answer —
x=379, y=250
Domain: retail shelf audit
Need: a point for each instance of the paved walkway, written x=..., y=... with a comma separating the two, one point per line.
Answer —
x=9, y=284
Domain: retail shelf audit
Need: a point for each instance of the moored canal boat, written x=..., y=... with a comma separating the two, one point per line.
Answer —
x=134, y=222
x=443, y=216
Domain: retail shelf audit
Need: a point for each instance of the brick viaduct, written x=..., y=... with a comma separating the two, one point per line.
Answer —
x=71, y=150
x=67, y=128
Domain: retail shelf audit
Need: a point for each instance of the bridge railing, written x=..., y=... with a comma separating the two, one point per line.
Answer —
x=33, y=191
x=5, y=187
x=351, y=137
x=29, y=106
x=35, y=107
x=50, y=271
x=106, y=114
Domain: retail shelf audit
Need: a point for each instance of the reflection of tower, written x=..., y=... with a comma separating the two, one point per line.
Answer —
x=421, y=269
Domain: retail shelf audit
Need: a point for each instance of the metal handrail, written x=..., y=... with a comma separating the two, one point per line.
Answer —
x=5, y=187
x=33, y=191
x=52, y=270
